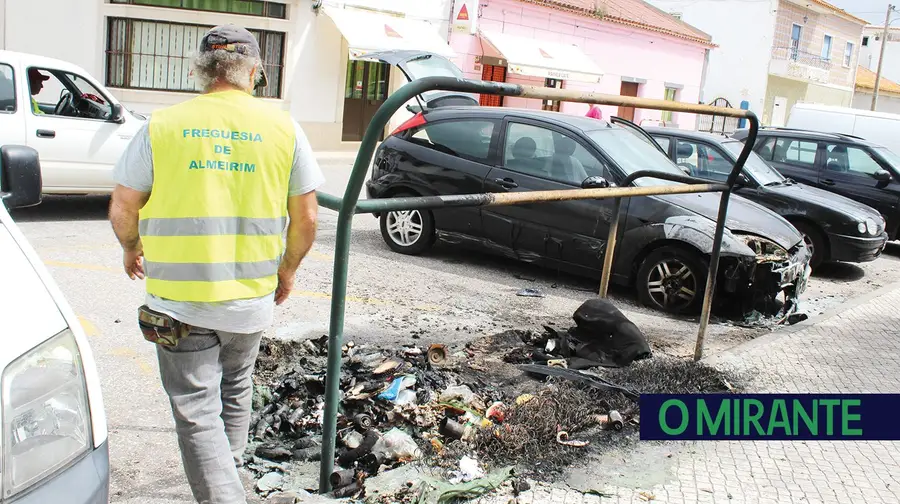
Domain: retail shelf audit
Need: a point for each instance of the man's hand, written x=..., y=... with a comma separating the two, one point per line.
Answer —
x=134, y=262
x=285, y=286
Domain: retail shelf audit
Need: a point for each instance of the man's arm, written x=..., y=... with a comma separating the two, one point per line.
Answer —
x=303, y=211
x=123, y=214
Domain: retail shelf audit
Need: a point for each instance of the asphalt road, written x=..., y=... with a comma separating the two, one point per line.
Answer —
x=445, y=296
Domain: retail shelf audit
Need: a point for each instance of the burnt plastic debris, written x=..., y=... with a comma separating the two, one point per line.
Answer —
x=529, y=292
x=615, y=421
x=342, y=478
x=605, y=332
x=363, y=421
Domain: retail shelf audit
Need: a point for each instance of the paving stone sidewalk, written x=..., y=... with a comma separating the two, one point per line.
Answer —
x=856, y=350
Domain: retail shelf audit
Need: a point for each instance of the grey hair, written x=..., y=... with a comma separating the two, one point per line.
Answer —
x=224, y=66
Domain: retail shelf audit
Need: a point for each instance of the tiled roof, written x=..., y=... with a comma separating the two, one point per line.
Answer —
x=636, y=13
x=840, y=11
x=865, y=81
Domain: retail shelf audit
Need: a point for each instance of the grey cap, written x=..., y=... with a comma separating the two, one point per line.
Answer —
x=233, y=38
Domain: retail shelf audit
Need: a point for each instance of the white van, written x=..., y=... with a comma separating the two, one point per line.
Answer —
x=877, y=127
x=74, y=122
x=53, y=434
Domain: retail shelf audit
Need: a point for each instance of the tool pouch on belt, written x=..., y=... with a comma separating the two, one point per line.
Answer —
x=160, y=328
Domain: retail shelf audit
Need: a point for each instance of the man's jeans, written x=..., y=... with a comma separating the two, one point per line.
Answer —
x=208, y=380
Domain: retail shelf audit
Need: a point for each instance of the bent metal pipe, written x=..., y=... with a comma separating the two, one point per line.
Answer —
x=348, y=206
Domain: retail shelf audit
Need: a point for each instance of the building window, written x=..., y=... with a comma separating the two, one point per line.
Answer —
x=247, y=7
x=826, y=48
x=552, y=105
x=796, y=32
x=865, y=42
x=671, y=95
x=676, y=15
x=848, y=54
x=154, y=55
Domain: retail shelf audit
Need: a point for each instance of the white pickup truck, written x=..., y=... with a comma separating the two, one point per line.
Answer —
x=76, y=125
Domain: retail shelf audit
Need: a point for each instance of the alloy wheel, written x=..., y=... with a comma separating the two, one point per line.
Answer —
x=404, y=227
x=672, y=284
x=809, y=244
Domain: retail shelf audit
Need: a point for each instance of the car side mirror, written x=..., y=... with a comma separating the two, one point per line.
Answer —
x=20, y=176
x=117, y=113
x=742, y=180
x=595, y=182
x=882, y=176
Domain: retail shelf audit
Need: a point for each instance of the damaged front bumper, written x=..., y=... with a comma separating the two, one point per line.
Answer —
x=758, y=281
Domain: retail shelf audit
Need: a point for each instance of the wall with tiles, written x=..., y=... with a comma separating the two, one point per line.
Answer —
x=619, y=51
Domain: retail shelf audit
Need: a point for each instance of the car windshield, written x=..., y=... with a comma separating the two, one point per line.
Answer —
x=755, y=165
x=890, y=156
x=632, y=154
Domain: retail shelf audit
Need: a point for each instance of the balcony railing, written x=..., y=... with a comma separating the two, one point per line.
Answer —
x=801, y=57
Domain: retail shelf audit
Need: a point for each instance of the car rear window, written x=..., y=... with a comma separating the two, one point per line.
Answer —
x=468, y=139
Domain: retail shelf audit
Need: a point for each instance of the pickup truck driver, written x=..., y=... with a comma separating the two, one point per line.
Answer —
x=36, y=83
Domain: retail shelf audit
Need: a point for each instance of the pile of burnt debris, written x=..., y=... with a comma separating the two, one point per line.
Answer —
x=514, y=405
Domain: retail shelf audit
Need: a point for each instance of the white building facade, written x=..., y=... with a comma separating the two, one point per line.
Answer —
x=775, y=53
x=870, y=51
x=141, y=50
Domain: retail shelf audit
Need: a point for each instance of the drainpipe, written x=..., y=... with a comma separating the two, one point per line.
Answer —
x=702, y=84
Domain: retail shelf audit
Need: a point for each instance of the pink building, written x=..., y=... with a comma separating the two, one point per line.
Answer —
x=622, y=47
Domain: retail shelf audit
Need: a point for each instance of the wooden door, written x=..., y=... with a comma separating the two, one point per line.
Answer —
x=364, y=91
x=628, y=89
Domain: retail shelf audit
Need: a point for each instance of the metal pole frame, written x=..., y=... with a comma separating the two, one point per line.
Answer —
x=349, y=205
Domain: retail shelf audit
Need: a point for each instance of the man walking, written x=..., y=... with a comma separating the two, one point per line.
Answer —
x=202, y=197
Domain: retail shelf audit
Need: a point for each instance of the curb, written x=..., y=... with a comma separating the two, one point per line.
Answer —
x=800, y=326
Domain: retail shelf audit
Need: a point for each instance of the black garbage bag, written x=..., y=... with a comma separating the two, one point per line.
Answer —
x=605, y=335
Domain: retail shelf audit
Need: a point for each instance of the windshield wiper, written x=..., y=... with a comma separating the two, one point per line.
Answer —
x=773, y=183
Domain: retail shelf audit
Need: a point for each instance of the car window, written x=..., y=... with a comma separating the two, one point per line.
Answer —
x=100, y=108
x=46, y=90
x=663, y=142
x=890, y=156
x=686, y=156
x=469, y=139
x=848, y=159
x=632, y=154
x=7, y=89
x=49, y=87
x=755, y=165
x=548, y=154
x=796, y=152
x=766, y=148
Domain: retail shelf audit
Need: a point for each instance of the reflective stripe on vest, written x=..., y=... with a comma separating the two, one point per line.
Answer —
x=212, y=229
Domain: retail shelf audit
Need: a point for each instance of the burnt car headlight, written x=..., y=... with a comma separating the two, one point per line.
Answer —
x=764, y=248
x=46, y=418
x=861, y=227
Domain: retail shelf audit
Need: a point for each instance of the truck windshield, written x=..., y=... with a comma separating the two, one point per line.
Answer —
x=757, y=168
x=632, y=154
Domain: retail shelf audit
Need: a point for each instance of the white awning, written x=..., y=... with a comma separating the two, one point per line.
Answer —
x=537, y=58
x=371, y=31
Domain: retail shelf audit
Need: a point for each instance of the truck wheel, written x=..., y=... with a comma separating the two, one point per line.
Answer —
x=672, y=279
x=408, y=232
x=815, y=242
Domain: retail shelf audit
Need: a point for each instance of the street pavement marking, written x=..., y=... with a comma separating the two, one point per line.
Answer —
x=142, y=364
x=88, y=327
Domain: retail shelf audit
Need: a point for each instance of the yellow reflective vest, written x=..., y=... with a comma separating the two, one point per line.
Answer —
x=213, y=226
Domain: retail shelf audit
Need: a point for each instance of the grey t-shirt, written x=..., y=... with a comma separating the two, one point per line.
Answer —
x=135, y=170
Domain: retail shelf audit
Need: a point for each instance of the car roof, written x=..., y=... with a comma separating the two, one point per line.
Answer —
x=580, y=123
x=693, y=135
x=29, y=60
x=808, y=134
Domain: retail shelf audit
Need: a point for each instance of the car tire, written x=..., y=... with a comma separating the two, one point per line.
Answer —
x=667, y=275
x=815, y=240
x=409, y=232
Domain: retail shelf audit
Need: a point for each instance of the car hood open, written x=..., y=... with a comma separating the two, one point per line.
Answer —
x=744, y=216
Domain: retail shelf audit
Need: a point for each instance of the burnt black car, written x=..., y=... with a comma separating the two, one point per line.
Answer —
x=835, y=228
x=665, y=246
x=847, y=165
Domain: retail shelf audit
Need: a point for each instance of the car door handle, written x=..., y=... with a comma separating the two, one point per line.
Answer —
x=43, y=133
x=507, y=183
x=828, y=182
